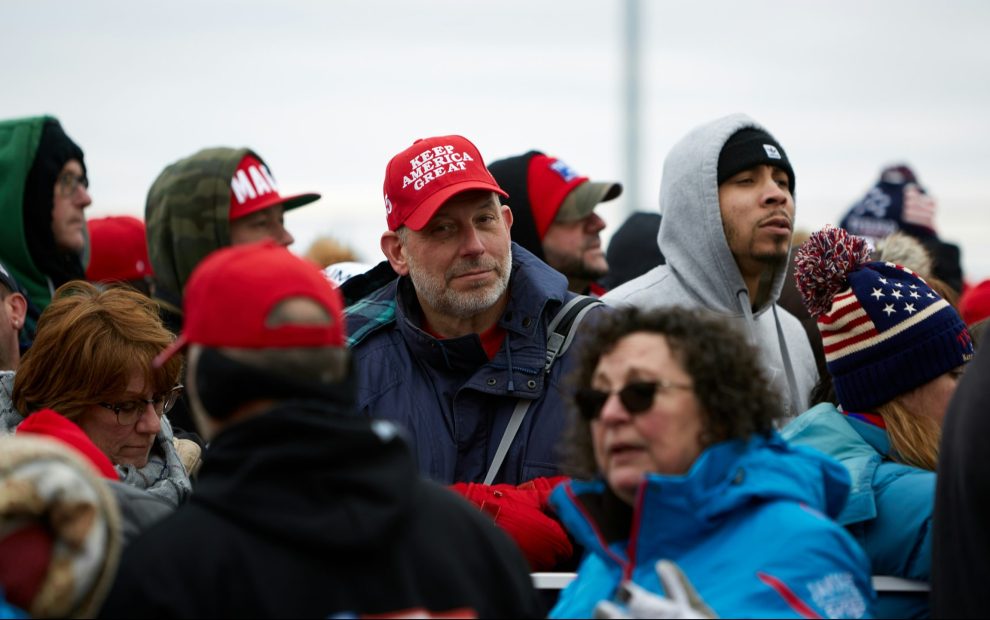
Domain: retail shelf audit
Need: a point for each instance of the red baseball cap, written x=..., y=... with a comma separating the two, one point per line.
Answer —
x=557, y=192
x=118, y=249
x=974, y=303
x=253, y=188
x=431, y=171
x=233, y=291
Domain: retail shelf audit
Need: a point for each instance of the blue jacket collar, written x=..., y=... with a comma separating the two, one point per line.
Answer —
x=725, y=478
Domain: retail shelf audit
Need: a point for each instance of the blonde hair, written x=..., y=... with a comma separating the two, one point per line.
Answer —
x=913, y=438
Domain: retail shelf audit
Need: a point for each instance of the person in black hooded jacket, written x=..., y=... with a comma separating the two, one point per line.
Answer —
x=303, y=508
x=961, y=534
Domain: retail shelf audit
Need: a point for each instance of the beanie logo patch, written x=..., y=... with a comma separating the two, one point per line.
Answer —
x=772, y=151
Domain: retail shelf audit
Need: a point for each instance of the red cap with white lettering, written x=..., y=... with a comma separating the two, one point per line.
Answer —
x=427, y=174
x=253, y=188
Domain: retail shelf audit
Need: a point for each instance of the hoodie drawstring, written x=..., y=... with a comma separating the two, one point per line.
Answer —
x=795, y=404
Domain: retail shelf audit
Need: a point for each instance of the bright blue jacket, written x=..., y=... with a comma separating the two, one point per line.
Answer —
x=890, y=506
x=745, y=525
x=452, y=401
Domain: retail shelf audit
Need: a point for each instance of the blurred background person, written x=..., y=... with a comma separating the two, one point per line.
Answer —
x=553, y=210
x=60, y=537
x=214, y=198
x=895, y=350
x=676, y=459
x=44, y=190
x=325, y=251
x=633, y=249
x=13, y=313
x=118, y=253
x=898, y=202
x=961, y=534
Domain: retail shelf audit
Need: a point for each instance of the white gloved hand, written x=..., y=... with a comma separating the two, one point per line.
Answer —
x=633, y=601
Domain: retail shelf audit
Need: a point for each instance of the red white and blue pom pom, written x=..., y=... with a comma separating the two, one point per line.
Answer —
x=822, y=265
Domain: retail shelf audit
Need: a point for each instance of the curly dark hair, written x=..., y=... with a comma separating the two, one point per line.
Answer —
x=729, y=381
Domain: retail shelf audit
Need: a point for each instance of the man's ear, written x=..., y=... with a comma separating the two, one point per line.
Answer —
x=507, y=216
x=391, y=245
x=16, y=308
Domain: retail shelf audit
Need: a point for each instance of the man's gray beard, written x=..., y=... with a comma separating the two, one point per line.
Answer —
x=446, y=301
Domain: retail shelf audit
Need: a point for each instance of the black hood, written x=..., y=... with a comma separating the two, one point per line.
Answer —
x=54, y=150
x=310, y=475
x=512, y=175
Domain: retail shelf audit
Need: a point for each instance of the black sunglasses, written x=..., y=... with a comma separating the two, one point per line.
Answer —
x=636, y=397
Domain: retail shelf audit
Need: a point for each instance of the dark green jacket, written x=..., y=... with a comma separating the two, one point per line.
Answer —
x=19, y=140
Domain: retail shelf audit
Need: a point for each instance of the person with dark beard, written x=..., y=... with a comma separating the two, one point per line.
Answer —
x=553, y=209
x=727, y=199
x=44, y=190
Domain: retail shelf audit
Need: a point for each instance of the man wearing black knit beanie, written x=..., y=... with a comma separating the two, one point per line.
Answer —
x=727, y=200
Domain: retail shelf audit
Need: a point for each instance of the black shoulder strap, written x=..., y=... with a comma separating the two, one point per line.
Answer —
x=561, y=330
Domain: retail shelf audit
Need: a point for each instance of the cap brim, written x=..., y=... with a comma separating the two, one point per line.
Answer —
x=170, y=351
x=582, y=200
x=287, y=202
x=425, y=212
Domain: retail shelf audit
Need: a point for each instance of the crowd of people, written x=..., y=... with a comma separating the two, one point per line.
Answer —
x=717, y=416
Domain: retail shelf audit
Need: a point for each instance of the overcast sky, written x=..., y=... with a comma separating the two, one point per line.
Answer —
x=327, y=92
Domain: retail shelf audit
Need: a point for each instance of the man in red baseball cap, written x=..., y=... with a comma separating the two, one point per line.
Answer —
x=456, y=349
x=214, y=198
x=297, y=492
x=555, y=219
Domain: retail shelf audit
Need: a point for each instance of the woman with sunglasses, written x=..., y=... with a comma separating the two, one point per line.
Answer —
x=676, y=459
x=92, y=363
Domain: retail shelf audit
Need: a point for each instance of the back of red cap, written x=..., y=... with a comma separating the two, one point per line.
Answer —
x=232, y=293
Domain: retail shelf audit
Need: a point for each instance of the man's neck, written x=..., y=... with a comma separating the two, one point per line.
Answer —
x=577, y=285
x=751, y=272
x=454, y=327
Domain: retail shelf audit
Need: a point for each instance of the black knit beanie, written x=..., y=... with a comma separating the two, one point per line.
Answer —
x=751, y=147
x=54, y=150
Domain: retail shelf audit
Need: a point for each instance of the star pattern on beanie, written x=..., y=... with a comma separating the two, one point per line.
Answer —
x=884, y=330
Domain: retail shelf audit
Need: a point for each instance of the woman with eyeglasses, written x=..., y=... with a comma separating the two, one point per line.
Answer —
x=44, y=193
x=92, y=363
x=676, y=460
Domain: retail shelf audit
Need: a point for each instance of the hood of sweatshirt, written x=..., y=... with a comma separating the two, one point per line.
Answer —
x=187, y=216
x=691, y=236
x=32, y=153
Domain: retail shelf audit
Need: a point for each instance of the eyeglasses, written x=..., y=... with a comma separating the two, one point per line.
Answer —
x=636, y=397
x=69, y=182
x=129, y=411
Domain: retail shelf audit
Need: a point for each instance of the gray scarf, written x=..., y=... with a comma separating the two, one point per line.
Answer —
x=163, y=476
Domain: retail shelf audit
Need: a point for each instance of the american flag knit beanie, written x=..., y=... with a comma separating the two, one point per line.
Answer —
x=884, y=330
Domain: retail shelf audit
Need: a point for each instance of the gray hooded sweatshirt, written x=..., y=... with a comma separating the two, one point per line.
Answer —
x=701, y=271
